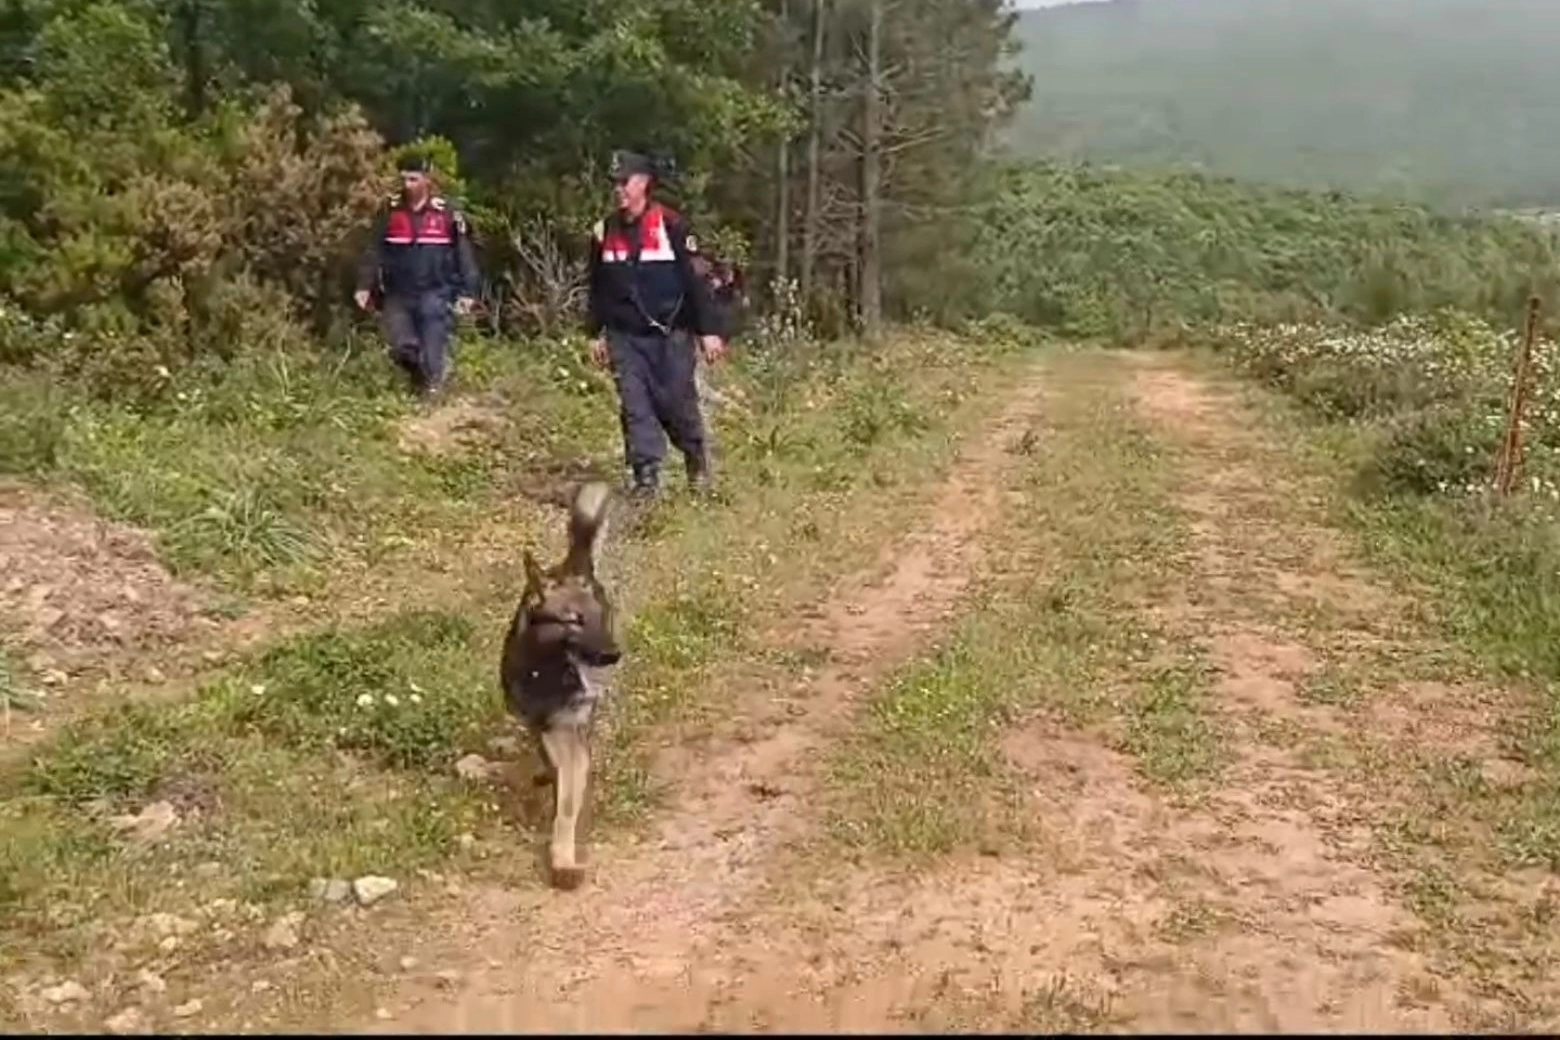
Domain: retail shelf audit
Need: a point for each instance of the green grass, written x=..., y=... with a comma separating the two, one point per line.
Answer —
x=287, y=466
x=17, y=698
x=1168, y=727
x=1058, y=633
x=330, y=753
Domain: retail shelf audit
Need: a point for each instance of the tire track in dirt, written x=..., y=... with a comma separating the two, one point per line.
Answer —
x=1312, y=925
x=657, y=939
x=1248, y=906
x=1245, y=907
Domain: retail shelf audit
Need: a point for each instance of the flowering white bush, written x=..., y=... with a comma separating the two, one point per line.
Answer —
x=1440, y=383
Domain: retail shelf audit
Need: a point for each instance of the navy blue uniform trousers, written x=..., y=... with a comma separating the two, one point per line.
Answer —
x=418, y=326
x=657, y=395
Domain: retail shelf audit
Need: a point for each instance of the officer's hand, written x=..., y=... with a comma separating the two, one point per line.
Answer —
x=712, y=347
x=362, y=297
x=598, y=352
x=463, y=305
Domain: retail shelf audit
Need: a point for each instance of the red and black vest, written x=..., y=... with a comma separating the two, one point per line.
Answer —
x=641, y=280
x=425, y=250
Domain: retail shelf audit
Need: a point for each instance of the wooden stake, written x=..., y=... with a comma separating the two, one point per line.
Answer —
x=1508, y=464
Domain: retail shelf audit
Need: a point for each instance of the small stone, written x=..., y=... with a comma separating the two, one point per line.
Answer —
x=448, y=978
x=149, y=825
x=475, y=767
x=466, y=841
x=127, y=1021
x=54, y=677
x=155, y=675
x=383, y=1014
x=212, y=656
x=330, y=890
x=166, y=925
x=189, y=1009
x=151, y=981
x=371, y=888
x=259, y=986
x=504, y=746
x=66, y=992
x=408, y=963
x=283, y=933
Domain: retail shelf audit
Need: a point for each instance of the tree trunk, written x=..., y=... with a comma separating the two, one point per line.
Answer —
x=194, y=57
x=783, y=175
x=810, y=217
x=871, y=177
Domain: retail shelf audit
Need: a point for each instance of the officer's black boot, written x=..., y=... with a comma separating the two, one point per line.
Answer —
x=646, y=482
x=698, y=474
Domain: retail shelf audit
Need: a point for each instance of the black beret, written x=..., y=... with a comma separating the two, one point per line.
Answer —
x=626, y=164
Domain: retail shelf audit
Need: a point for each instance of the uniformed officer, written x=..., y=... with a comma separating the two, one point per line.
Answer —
x=646, y=305
x=419, y=263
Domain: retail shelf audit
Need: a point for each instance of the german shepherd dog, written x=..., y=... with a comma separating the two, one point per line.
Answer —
x=563, y=631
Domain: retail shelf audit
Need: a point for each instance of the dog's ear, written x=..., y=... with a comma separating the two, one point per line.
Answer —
x=535, y=580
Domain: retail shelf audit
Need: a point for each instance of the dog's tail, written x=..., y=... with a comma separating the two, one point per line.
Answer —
x=587, y=523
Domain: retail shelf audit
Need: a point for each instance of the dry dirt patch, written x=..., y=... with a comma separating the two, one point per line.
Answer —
x=464, y=424
x=82, y=595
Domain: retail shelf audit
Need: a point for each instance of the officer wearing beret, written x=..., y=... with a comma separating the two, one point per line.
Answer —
x=419, y=263
x=646, y=306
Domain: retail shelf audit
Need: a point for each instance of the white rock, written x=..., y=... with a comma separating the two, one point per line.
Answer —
x=66, y=992
x=150, y=824
x=188, y=1010
x=330, y=890
x=371, y=888
x=127, y=1021
x=163, y=925
x=283, y=933
x=383, y=1014
x=504, y=746
x=475, y=767
x=150, y=981
x=408, y=963
x=259, y=986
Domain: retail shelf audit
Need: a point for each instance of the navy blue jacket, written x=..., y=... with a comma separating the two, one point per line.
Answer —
x=417, y=251
x=641, y=279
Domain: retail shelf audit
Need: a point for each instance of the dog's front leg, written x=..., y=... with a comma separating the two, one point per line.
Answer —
x=568, y=748
x=544, y=776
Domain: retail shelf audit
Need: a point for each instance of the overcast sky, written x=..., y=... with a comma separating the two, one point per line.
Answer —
x=1047, y=3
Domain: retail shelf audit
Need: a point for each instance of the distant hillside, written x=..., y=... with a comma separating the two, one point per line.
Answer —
x=1455, y=101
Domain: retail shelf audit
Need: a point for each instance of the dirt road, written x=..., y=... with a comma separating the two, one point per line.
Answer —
x=1249, y=892
x=1116, y=731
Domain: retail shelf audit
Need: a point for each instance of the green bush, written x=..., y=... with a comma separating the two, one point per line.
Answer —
x=33, y=423
x=1436, y=451
x=1096, y=252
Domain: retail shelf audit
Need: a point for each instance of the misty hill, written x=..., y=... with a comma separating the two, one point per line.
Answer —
x=1455, y=101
